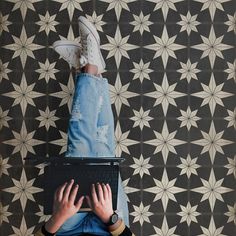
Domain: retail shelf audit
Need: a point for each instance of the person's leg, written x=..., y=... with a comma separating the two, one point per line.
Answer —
x=82, y=130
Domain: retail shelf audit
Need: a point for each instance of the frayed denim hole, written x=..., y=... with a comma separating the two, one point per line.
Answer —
x=100, y=103
x=76, y=114
x=102, y=132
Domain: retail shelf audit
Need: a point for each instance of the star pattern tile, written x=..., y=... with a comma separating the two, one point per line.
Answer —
x=171, y=72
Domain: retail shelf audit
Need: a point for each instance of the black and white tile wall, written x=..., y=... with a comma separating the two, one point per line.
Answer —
x=171, y=68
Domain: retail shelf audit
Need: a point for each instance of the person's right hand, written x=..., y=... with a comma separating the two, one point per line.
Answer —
x=101, y=203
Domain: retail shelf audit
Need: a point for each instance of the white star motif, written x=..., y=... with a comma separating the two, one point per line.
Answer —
x=118, y=5
x=43, y=217
x=165, y=190
x=118, y=47
x=165, y=5
x=188, y=118
x=141, y=166
x=212, y=94
x=66, y=93
x=119, y=94
x=128, y=189
x=4, y=23
x=141, y=214
x=47, y=23
x=188, y=214
x=122, y=141
x=4, y=166
x=188, y=23
x=70, y=6
x=61, y=142
x=212, y=230
x=231, y=118
x=212, y=47
x=141, y=23
x=4, y=118
x=23, y=189
x=231, y=23
x=23, y=141
x=96, y=20
x=231, y=71
x=165, y=47
x=212, y=142
x=165, y=142
x=231, y=213
x=188, y=71
x=165, y=94
x=4, y=71
x=212, y=190
x=47, y=118
x=4, y=213
x=188, y=166
x=24, y=230
x=141, y=118
x=23, y=94
x=23, y=5
x=212, y=5
x=23, y=46
x=141, y=71
x=165, y=230
x=231, y=166
x=71, y=36
x=47, y=71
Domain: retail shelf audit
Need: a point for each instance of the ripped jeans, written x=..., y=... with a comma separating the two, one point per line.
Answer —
x=91, y=134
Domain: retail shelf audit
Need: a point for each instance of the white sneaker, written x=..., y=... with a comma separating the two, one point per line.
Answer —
x=70, y=52
x=90, y=42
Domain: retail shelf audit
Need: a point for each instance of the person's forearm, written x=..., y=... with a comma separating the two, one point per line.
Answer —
x=53, y=224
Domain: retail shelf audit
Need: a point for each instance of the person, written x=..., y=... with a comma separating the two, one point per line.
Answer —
x=90, y=134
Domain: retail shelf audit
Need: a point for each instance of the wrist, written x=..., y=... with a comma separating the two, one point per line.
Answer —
x=54, y=223
x=106, y=218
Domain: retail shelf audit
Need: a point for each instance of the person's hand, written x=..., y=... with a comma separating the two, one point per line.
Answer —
x=64, y=205
x=101, y=203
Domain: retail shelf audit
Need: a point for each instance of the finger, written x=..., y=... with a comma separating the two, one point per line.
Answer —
x=89, y=201
x=67, y=190
x=105, y=192
x=109, y=190
x=60, y=191
x=100, y=192
x=73, y=193
x=79, y=203
x=94, y=194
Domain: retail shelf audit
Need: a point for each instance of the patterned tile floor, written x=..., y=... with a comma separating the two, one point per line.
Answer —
x=171, y=68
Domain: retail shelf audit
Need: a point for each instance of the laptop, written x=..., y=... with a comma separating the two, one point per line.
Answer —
x=85, y=172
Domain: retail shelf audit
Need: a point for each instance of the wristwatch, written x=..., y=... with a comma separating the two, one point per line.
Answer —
x=113, y=219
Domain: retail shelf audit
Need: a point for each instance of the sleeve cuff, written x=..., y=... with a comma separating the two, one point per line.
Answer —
x=119, y=230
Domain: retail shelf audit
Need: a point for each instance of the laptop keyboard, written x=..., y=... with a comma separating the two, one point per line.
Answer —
x=84, y=175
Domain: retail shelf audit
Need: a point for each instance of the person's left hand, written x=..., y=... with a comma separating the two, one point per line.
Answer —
x=64, y=205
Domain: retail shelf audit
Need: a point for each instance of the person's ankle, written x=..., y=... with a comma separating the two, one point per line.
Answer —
x=90, y=69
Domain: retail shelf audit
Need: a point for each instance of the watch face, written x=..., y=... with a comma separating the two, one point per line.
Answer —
x=114, y=218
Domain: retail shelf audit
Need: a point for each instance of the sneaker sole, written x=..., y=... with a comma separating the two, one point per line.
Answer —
x=65, y=43
x=60, y=43
x=94, y=32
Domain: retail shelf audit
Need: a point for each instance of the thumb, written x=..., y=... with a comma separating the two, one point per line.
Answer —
x=79, y=202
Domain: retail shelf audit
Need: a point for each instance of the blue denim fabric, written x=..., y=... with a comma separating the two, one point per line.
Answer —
x=91, y=134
